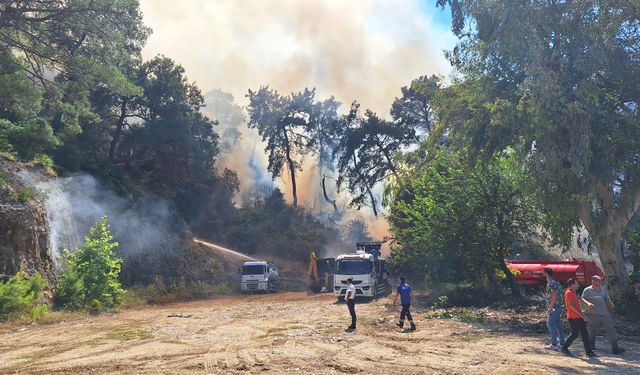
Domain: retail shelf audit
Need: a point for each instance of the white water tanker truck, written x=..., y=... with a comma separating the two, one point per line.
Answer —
x=370, y=274
x=259, y=276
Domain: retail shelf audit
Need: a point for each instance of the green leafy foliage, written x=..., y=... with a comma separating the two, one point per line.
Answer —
x=90, y=279
x=84, y=42
x=556, y=80
x=456, y=222
x=44, y=160
x=22, y=297
x=365, y=149
x=21, y=196
x=413, y=110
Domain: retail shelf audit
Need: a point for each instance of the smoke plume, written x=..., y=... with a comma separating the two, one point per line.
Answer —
x=362, y=50
x=74, y=204
x=356, y=50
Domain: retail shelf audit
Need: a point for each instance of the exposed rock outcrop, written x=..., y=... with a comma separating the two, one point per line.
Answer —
x=24, y=228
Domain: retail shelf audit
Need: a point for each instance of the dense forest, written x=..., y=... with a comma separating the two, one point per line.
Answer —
x=538, y=130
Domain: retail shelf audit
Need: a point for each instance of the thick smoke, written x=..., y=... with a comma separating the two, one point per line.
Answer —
x=356, y=50
x=243, y=152
x=74, y=204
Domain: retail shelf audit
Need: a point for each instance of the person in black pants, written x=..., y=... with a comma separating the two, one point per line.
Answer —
x=577, y=320
x=350, y=297
x=405, y=293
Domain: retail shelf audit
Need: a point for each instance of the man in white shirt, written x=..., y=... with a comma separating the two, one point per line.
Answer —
x=350, y=298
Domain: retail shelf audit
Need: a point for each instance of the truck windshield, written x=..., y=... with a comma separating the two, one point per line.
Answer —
x=353, y=267
x=256, y=269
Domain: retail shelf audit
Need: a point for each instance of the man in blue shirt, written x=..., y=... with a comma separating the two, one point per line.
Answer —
x=404, y=291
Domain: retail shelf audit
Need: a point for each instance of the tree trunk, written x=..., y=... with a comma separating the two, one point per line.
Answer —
x=118, y=133
x=292, y=168
x=364, y=181
x=610, y=244
x=294, y=190
x=387, y=157
x=607, y=235
x=515, y=289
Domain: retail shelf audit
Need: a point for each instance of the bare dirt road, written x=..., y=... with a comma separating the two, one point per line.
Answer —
x=292, y=333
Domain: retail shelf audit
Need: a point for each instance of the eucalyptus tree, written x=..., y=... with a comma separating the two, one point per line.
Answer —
x=560, y=79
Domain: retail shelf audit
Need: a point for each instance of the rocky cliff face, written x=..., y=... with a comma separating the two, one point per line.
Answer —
x=24, y=229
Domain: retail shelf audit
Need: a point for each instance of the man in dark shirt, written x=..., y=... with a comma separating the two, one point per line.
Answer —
x=405, y=293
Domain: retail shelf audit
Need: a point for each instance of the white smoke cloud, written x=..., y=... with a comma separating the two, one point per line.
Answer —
x=76, y=203
x=356, y=50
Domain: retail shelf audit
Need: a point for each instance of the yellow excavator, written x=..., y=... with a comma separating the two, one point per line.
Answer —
x=320, y=273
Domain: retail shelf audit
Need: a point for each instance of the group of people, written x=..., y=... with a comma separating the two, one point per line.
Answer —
x=589, y=323
x=403, y=290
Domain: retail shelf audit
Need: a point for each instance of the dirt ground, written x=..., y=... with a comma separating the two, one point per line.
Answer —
x=295, y=333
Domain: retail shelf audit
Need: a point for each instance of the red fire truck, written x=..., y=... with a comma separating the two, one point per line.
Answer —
x=529, y=272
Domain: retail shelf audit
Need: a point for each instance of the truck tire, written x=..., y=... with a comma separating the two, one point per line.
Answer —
x=272, y=287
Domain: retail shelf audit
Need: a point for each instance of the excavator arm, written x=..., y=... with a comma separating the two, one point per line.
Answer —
x=312, y=271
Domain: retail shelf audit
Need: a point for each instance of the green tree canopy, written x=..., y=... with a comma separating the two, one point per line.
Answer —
x=91, y=275
x=69, y=47
x=458, y=222
x=557, y=80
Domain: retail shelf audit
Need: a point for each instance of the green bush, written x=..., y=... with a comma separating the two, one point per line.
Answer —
x=29, y=138
x=44, y=160
x=90, y=279
x=22, y=298
x=21, y=196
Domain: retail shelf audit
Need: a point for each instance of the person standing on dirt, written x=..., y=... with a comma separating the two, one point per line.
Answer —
x=554, y=309
x=576, y=319
x=599, y=312
x=350, y=298
x=406, y=295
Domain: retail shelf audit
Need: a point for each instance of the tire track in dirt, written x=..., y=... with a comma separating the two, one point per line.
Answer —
x=286, y=333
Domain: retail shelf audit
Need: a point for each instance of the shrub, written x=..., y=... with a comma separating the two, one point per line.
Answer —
x=90, y=279
x=44, y=160
x=503, y=276
x=21, y=196
x=22, y=297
